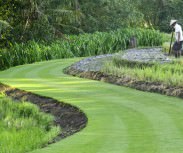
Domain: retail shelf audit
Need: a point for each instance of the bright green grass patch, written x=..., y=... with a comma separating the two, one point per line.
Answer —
x=23, y=127
x=168, y=73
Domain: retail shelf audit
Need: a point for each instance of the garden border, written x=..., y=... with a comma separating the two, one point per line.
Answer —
x=155, y=87
x=70, y=118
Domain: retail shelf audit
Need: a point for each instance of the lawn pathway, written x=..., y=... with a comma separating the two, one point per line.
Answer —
x=120, y=120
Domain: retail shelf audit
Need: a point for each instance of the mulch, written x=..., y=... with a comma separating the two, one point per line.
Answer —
x=70, y=118
x=156, y=87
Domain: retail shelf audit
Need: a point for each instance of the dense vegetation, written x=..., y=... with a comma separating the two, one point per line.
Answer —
x=77, y=46
x=23, y=127
x=168, y=73
x=22, y=20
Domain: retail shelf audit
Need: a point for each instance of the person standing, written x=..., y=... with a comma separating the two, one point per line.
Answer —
x=177, y=46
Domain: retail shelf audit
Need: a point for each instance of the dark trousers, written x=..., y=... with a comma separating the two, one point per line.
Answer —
x=177, y=48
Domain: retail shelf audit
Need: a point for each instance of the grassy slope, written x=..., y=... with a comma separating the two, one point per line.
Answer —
x=121, y=120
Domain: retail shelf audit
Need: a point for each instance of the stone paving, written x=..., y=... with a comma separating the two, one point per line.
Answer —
x=92, y=63
x=95, y=63
x=146, y=55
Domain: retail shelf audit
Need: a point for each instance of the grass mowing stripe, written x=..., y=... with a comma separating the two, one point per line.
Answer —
x=122, y=133
x=134, y=121
x=40, y=71
x=173, y=107
x=175, y=114
x=163, y=127
x=113, y=112
x=175, y=130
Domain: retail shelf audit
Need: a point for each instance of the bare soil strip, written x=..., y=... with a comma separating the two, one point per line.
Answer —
x=68, y=117
x=156, y=87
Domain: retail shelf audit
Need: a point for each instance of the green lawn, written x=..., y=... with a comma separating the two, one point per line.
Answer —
x=120, y=120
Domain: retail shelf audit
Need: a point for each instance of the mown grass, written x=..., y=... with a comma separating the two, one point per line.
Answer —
x=167, y=73
x=77, y=46
x=120, y=120
x=23, y=127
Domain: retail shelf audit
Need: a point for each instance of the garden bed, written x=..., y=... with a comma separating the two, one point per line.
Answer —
x=69, y=118
x=126, y=80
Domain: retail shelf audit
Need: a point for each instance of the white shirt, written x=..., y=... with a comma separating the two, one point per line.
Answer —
x=177, y=30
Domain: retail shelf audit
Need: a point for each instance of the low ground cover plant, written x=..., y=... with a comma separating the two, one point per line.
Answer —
x=77, y=46
x=23, y=127
x=167, y=73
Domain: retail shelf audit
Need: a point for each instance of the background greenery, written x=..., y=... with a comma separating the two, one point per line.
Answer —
x=77, y=46
x=22, y=20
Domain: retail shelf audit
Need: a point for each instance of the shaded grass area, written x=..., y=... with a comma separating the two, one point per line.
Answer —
x=170, y=74
x=23, y=127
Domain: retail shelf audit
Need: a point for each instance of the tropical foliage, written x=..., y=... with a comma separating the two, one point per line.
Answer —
x=44, y=20
x=77, y=46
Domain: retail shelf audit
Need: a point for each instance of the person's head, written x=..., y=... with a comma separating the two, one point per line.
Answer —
x=173, y=23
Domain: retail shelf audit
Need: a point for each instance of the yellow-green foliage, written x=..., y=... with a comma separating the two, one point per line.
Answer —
x=169, y=73
x=166, y=47
x=23, y=127
x=166, y=37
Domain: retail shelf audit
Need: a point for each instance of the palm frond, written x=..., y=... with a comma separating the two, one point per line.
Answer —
x=4, y=25
x=61, y=11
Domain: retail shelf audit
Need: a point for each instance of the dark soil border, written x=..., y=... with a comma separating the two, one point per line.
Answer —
x=70, y=118
x=156, y=87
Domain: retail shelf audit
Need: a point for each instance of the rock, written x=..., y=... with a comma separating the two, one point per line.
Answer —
x=95, y=63
x=145, y=55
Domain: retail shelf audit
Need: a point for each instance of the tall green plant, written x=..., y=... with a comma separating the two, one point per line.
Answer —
x=23, y=127
x=77, y=46
x=170, y=74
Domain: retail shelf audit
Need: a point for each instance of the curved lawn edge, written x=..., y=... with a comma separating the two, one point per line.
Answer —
x=155, y=87
x=70, y=118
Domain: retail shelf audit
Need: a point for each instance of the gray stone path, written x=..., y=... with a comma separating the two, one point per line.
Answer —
x=146, y=55
x=95, y=63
